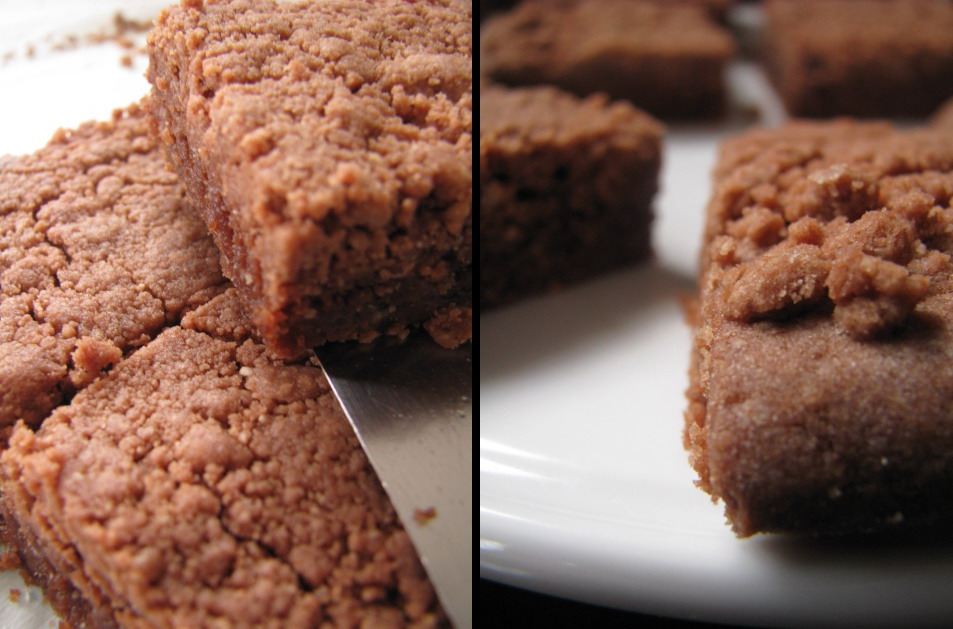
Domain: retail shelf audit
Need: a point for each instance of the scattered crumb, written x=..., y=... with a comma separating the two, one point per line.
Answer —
x=9, y=560
x=118, y=33
x=14, y=595
x=125, y=25
x=69, y=42
x=423, y=516
x=121, y=27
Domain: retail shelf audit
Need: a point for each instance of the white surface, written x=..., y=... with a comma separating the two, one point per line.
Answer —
x=63, y=88
x=45, y=91
x=585, y=489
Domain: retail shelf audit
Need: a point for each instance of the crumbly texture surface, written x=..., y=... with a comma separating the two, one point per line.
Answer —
x=666, y=58
x=822, y=370
x=98, y=253
x=328, y=146
x=566, y=188
x=860, y=57
x=203, y=483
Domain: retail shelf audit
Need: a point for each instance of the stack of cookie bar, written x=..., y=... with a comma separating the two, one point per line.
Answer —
x=174, y=454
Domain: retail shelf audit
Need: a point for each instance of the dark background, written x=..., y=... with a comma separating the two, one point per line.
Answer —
x=504, y=606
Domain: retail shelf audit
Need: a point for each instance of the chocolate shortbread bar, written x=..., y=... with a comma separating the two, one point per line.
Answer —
x=822, y=370
x=566, y=189
x=328, y=146
x=666, y=58
x=204, y=483
x=860, y=57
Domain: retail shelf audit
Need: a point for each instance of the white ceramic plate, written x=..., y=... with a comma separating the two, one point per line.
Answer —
x=47, y=82
x=585, y=489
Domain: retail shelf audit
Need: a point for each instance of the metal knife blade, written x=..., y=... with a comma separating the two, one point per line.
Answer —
x=410, y=403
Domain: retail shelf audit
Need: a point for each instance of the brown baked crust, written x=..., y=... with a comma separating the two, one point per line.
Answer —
x=204, y=483
x=98, y=253
x=666, y=58
x=822, y=379
x=566, y=189
x=328, y=146
x=860, y=57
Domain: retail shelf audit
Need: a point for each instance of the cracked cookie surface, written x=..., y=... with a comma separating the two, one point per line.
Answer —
x=98, y=253
x=203, y=483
